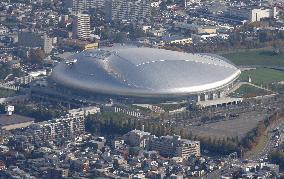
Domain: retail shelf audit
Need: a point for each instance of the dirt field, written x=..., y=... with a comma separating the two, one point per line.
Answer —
x=236, y=127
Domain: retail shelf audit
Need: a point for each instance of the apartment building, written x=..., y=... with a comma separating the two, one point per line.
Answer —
x=35, y=39
x=125, y=10
x=252, y=14
x=81, y=27
x=137, y=138
x=84, y=111
x=80, y=6
x=67, y=127
x=167, y=146
x=260, y=13
x=187, y=147
x=174, y=146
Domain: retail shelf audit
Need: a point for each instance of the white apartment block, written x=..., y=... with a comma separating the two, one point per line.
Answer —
x=258, y=14
x=79, y=6
x=253, y=14
x=174, y=146
x=64, y=127
x=137, y=138
x=118, y=10
x=84, y=111
x=156, y=3
x=167, y=146
x=187, y=148
x=81, y=26
x=190, y=2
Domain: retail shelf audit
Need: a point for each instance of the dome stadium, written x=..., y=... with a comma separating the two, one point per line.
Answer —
x=144, y=72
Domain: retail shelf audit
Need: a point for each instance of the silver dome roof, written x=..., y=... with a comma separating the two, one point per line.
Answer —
x=134, y=71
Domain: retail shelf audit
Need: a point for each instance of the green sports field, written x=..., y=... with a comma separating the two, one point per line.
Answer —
x=6, y=93
x=263, y=76
x=264, y=57
x=248, y=91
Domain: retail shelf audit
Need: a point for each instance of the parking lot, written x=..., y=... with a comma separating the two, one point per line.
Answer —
x=230, y=128
x=227, y=121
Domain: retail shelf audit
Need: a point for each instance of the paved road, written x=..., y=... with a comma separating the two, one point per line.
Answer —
x=270, y=143
x=237, y=162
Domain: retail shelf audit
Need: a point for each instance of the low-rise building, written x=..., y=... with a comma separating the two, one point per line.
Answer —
x=84, y=111
x=67, y=127
x=194, y=28
x=174, y=146
x=187, y=147
x=201, y=37
x=259, y=13
x=137, y=138
x=176, y=40
x=168, y=146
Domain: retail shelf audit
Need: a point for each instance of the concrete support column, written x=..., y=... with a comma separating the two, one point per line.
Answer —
x=215, y=95
x=198, y=98
x=218, y=94
x=202, y=97
x=206, y=97
x=211, y=96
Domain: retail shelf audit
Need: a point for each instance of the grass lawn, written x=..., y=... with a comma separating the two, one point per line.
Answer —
x=256, y=57
x=171, y=107
x=263, y=76
x=248, y=91
x=6, y=93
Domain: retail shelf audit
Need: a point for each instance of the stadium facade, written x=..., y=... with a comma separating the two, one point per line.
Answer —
x=146, y=73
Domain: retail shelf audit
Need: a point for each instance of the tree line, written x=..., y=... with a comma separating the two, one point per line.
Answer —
x=39, y=113
x=110, y=123
x=238, y=39
x=252, y=137
x=115, y=123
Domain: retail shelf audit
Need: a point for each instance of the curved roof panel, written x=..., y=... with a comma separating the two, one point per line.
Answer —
x=134, y=71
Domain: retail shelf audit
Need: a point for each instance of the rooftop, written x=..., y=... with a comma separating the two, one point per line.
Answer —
x=144, y=72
